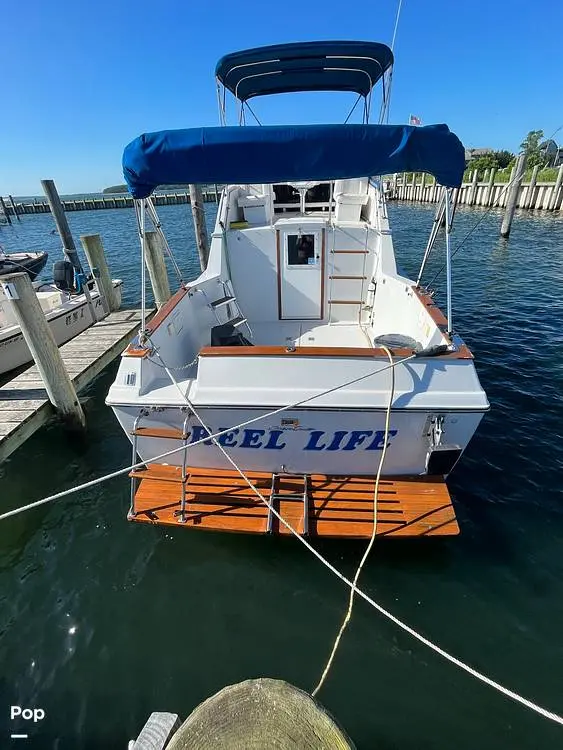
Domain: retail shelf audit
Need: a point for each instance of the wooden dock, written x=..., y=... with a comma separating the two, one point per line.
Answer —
x=337, y=507
x=24, y=405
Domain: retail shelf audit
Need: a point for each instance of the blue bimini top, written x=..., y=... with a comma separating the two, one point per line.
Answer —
x=304, y=66
x=273, y=154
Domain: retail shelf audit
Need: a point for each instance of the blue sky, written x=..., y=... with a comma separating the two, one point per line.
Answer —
x=80, y=80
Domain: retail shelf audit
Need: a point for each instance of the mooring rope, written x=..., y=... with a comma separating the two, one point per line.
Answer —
x=366, y=554
x=378, y=607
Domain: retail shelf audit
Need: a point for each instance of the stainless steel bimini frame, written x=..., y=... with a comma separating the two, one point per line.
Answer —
x=242, y=103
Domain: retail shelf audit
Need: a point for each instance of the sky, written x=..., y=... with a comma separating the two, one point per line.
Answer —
x=80, y=80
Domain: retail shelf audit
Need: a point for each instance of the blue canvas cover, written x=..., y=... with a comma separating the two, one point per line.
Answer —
x=304, y=66
x=293, y=153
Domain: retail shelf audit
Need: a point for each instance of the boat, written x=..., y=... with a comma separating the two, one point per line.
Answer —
x=66, y=308
x=30, y=262
x=301, y=368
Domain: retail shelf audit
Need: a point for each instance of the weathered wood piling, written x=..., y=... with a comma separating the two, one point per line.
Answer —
x=198, y=213
x=513, y=191
x=4, y=211
x=92, y=244
x=156, y=266
x=251, y=715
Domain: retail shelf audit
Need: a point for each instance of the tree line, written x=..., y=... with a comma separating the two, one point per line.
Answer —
x=531, y=144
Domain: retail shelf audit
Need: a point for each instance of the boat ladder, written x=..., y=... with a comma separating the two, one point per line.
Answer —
x=277, y=496
x=159, y=432
x=229, y=301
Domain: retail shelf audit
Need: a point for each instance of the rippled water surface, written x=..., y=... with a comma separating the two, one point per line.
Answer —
x=102, y=622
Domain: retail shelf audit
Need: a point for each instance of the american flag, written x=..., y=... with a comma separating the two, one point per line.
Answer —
x=414, y=120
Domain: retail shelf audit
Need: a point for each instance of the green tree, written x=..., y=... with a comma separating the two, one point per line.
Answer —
x=531, y=147
x=487, y=161
x=503, y=158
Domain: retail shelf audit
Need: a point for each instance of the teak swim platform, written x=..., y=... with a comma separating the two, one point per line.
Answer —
x=314, y=505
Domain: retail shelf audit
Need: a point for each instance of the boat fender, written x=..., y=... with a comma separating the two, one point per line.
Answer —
x=433, y=351
x=79, y=282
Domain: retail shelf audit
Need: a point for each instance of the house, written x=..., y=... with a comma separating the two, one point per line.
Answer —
x=475, y=153
x=552, y=153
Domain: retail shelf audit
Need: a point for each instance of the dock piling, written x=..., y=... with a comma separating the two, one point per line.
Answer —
x=156, y=266
x=198, y=212
x=41, y=342
x=92, y=244
x=556, y=188
x=531, y=187
x=65, y=234
x=14, y=209
x=490, y=187
x=512, y=197
x=5, y=210
x=473, y=192
x=61, y=222
x=260, y=713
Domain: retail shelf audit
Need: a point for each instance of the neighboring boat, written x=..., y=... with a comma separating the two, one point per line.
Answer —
x=67, y=311
x=281, y=345
x=32, y=263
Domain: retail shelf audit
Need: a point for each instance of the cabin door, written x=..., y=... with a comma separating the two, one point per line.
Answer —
x=300, y=273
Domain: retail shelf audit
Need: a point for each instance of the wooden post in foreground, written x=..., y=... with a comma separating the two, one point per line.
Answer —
x=40, y=340
x=156, y=266
x=512, y=198
x=5, y=210
x=92, y=244
x=198, y=212
x=260, y=713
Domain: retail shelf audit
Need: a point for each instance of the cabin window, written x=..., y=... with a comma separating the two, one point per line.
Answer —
x=300, y=249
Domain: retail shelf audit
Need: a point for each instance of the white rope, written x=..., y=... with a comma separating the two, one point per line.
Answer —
x=366, y=554
x=399, y=623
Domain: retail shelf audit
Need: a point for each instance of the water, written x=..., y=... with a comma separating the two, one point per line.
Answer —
x=102, y=622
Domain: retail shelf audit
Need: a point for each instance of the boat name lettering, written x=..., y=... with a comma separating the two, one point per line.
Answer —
x=316, y=440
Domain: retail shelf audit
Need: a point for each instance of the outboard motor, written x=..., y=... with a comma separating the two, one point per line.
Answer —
x=63, y=275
